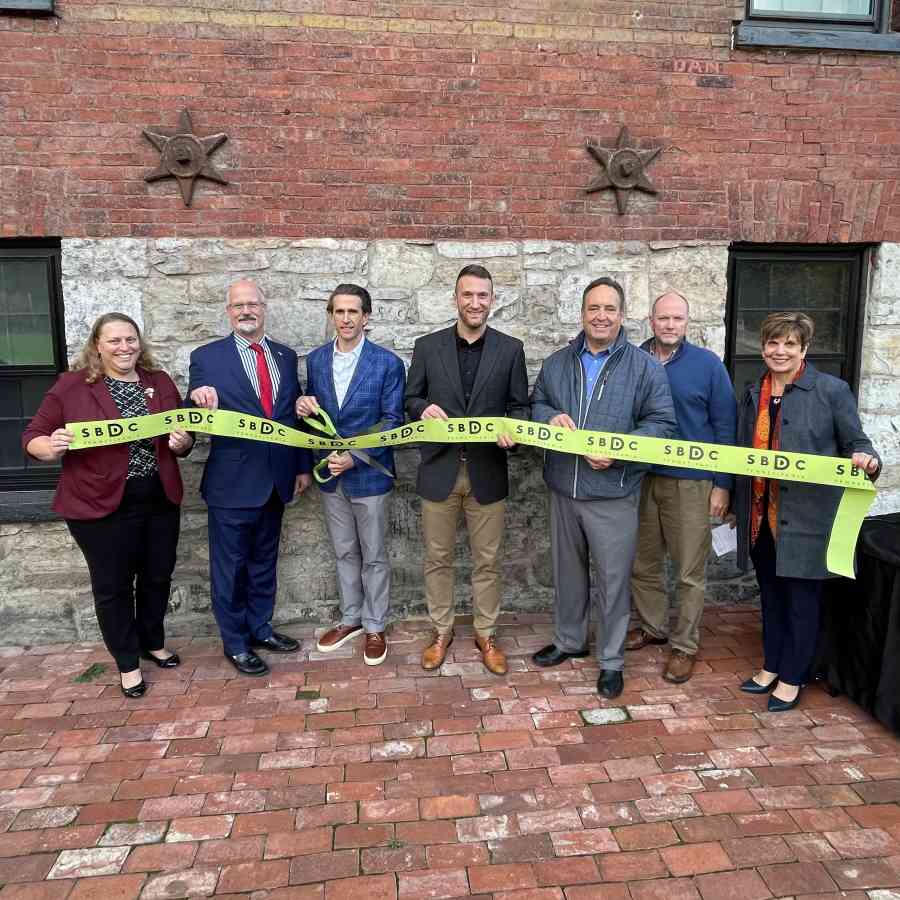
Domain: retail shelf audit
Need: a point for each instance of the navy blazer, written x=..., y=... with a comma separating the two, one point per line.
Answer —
x=375, y=395
x=241, y=473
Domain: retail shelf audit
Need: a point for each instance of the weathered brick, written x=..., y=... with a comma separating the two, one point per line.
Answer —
x=196, y=882
x=437, y=885
x=324, y=866
x=82, y=863
x=797, y=878
x=517, y=876
x=645, y=837
x=255, y=876
x=589, y=841
x=694, y=859
x=745, y=884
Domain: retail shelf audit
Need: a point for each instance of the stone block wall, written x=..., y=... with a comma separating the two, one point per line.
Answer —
x=175, y=288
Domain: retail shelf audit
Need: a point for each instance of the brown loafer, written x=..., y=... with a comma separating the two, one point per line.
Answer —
x=375, y=651
x=337, y=637
x=637, y=638
x=433, y=655
x=493, y=657
x=680, y=667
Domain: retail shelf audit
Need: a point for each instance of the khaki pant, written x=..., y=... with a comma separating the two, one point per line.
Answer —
x=485, y=526
x=673, y=517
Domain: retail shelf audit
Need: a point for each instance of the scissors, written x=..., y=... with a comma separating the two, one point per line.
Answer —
x=322, y=423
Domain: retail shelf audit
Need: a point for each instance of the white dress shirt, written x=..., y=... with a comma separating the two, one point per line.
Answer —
x=343, y=367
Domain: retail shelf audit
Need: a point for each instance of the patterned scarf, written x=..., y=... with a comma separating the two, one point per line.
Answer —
x=761, y=435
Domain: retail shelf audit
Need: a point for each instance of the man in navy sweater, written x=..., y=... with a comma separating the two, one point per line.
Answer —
x=676, y=503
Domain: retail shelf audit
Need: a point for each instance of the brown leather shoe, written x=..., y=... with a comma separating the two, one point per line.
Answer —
x=680, y=667
x=637, y=638
x=433, y=655
x=337, y=637
x=493, y=657
x=375, y=651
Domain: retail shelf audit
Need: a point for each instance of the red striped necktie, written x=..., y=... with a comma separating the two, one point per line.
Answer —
x=265, y=380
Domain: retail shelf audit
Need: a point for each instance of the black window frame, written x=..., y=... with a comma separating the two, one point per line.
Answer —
x=43, y=477
x=860, y=255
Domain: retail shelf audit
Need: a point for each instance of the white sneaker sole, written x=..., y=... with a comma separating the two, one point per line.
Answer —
x=375, y=662
x=331, y=647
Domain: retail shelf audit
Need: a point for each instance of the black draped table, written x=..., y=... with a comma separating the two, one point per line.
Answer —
x=859, y=648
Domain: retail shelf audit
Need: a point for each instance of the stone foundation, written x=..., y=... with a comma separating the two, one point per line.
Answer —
x=175, y=288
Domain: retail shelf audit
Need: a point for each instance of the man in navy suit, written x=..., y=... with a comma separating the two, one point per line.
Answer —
x=247, y=483
x=360, y=385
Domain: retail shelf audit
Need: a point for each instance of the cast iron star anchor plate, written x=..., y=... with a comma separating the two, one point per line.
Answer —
x=623, y=169
x=185, y=157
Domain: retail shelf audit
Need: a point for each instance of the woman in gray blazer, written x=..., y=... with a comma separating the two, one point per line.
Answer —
x=783, y=527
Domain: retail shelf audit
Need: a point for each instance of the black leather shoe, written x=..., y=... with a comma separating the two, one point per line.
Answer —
x=754, y=687
x=776, y=705
x=248, y=664
x=277, y=643
x=169, y=662
x=551, y=655
x=137, y=691
x=610, y=684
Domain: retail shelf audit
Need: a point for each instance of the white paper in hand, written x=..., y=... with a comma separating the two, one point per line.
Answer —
x=724, y=539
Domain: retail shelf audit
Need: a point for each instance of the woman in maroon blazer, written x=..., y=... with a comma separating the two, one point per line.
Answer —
x=121, y=503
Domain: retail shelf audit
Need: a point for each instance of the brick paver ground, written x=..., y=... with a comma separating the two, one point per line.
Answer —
x=332, y=780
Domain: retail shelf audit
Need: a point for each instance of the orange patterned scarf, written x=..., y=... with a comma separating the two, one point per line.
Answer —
x=761, y=435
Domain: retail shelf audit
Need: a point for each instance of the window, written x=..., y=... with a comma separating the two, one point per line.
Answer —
x=818, y=24
x=824, y=282
x=33, y=6
x=32, y=352
x=856, y=12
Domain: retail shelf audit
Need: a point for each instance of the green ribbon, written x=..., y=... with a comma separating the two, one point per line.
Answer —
x=857, y=498
x=321, y=422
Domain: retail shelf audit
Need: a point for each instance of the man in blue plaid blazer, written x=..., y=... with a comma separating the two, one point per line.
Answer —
x=360, y=385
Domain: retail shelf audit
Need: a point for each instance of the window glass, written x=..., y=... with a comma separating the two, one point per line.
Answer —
x=26, y=334
x=821, y=282
x=31, y=353
x=818, y=288
x=814, y=8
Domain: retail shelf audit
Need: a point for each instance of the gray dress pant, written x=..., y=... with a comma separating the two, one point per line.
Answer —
x=602, y=532
x=358, y=529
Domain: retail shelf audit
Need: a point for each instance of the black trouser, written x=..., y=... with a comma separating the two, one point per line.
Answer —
x=790, y=613
x=138, y=543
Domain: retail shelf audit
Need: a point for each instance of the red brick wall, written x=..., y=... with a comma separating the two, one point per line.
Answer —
x=379, y=119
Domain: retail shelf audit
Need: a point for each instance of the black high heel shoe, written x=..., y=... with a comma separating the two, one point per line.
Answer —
x=137, y=691
x=170, y=662
x=776, y=705
x=754, y=687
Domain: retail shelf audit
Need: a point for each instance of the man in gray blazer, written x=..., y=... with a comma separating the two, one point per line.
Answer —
x=467, y=369
x=600, y=382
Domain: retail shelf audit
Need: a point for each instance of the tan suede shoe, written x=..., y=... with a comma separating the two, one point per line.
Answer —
x=433, y=655
x=493, y=657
